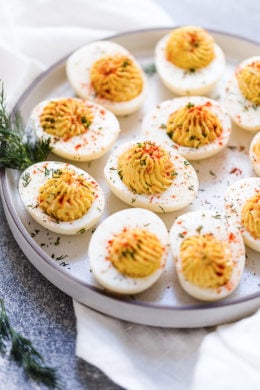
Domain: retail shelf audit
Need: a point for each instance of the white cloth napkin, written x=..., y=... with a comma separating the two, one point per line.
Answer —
x=230, y=357
x=34, y=34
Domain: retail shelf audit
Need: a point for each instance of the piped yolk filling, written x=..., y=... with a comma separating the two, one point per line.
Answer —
x=249, y=82
x=251, y=216
x=190, y=48
x=66, y=196
x=193, y=126
x=206, y=262
x=256, y=151
x=66, y=118
x=146, y=168
x=135, y=252
x=117, y=78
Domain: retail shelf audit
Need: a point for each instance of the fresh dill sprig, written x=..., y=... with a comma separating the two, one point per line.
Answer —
x=17, y=150
x=24, y=354
x=150, y=69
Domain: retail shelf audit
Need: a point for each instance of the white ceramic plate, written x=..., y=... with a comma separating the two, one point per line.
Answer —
x=63, y=259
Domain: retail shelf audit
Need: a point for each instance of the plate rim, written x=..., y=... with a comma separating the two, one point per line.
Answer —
x=40, y=252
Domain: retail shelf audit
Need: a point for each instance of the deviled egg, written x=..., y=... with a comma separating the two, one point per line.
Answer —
x=242, y=204
x=128, y=251
x=196, y=127
x=61, y=197
x=243, y=94
x=108, y=74
x=145, y=174
x=254, y=153
x=79, y=130
x=209, y=254
x=188, y=61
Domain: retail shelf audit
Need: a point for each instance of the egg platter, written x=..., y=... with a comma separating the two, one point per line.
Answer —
x=63, y=260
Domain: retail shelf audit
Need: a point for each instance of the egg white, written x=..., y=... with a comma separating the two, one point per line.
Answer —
x=201, y=223
x=241, y=110
x=35, y=176
x=78, y=69
x=255, y=160
x=155, y=121
x=183, y=82
x=103, y=270
x=91, y=145
x=180, y=194
x=235, y=198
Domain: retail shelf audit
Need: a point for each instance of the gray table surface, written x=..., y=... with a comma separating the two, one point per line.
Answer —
x=38, y=309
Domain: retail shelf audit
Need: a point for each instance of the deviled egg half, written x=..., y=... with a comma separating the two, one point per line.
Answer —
x=196, y=127
x=145, y=174
x=108, y=74
x=61, y=197
x=242, y=204
x=188, y=61
x=209, y=254
x=79, y=130
x=128, y=251
x=254, y=153
x=243, y=94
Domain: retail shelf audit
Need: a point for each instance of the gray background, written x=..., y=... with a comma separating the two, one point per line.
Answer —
x=39, y=310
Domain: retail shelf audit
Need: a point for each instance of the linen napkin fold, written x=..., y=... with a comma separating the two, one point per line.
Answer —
x=230, y=357
x=134, y=356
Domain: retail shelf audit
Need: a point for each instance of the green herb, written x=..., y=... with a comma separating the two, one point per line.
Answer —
x=149, y=69
x=163, y=126
x=24, y=354
x=81, y=231
x=15, y=151
x=61, y=257
x=190, y=105
x=162, y=209
x=217, y=216
x=199, y=228
x=181, y=235
x=26, y=178
x=85, y=121
x=231, y=147
x=186, y=163
x=57, y=242
x=125, y=64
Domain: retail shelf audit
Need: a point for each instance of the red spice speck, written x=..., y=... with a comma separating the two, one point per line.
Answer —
x=78, y=146
x=231, y=237
x=236, y=171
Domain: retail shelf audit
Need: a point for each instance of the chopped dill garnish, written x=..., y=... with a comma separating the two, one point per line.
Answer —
x=149, y=69
x=26, y=178
x=16, y=151
x=24, y=354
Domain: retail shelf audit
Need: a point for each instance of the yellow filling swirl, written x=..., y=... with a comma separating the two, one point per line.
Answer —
x=146, y=168
x=66, y=196
x=190, y=48
x=256, y=151
x=116, y=78
x=251, y=216
x=206, y=261
x=136, y=252
x=193, y=126
x=66, y=118
x=249, y=82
